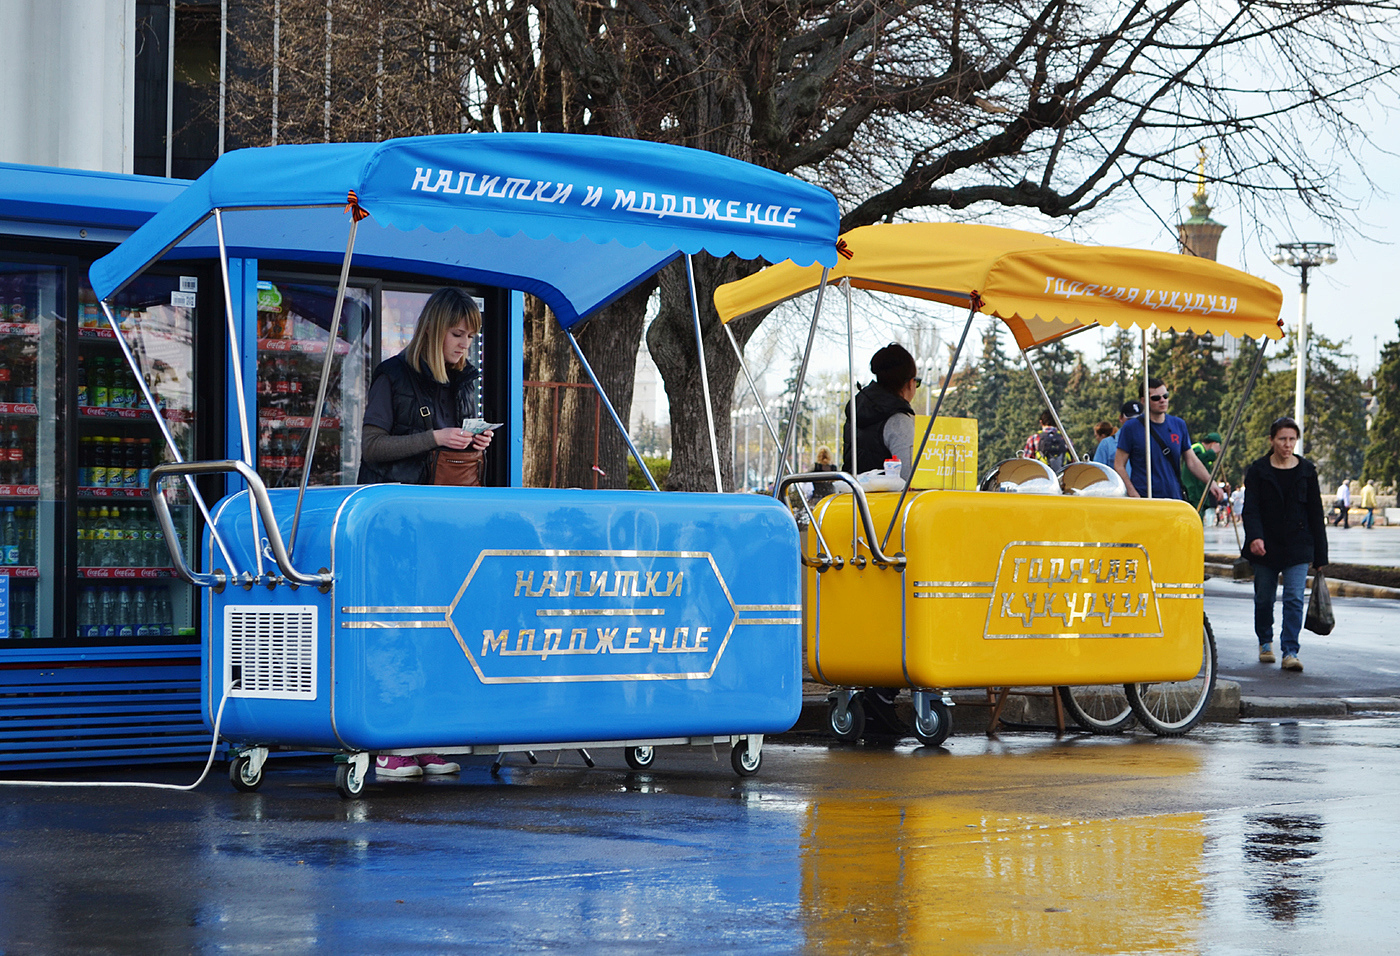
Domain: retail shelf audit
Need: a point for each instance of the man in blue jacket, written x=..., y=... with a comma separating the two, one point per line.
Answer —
x=1168, y=448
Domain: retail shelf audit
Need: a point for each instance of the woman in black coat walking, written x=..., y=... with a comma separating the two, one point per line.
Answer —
x=1284, y=531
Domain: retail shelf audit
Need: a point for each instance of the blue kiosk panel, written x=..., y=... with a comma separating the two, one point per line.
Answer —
x=477, y=616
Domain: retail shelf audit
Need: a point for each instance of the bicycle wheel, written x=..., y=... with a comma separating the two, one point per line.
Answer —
x=1099, y=709
x=1172, y=708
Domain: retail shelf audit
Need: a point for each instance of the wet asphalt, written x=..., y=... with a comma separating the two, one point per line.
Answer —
x=1258, y=837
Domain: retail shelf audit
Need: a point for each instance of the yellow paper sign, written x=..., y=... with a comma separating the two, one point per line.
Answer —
x=949, y=461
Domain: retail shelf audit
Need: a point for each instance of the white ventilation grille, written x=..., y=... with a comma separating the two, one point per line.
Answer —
x=271, y=651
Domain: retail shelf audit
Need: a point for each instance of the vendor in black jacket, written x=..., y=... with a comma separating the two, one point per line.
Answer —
x=1284, y=531
x=884, y=417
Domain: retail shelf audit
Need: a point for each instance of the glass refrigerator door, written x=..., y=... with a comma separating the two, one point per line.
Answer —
x=127, y=587
x=31, y=300
x=294, y=319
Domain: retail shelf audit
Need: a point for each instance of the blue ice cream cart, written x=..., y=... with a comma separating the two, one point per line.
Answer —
x=405, y=619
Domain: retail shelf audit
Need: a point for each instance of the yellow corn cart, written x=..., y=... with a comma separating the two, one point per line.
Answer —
x=1074, y=585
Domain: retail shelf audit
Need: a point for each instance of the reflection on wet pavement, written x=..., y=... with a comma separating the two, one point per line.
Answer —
x=1277, y=850
x=1249, y=839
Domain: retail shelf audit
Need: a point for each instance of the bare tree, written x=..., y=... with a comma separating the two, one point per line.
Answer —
x=897, y=106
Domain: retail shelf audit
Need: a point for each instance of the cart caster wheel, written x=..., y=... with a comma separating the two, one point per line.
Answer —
x=849, y=726
x=639, y=758
x=933, y=729
x=242, y=775
x=349, y=780
x=745, y=759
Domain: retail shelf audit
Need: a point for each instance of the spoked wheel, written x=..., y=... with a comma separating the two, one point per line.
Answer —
x=639, y=758
x=349, y=780
x=745, y=759
x=847, y=726
x=242, y=775
x=1099, y=709
x=1171, y=709
x=933, y=728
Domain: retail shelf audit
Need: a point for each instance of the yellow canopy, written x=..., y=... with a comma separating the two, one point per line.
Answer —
x=1042, y=288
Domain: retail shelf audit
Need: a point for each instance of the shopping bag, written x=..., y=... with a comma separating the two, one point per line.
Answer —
x=1320, y=619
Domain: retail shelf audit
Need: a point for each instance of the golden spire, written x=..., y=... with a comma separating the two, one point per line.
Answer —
x=1201, y=173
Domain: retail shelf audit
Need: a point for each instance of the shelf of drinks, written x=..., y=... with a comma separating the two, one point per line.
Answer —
x=97, y=492
x=304, y=346
x=272, y=420
x=18, y=571
x=125, y=574
x=128, y=414
x=19, y=409
x=19, y=328
x=21, y=492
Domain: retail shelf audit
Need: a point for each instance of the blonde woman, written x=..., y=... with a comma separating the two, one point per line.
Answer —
x=418, y=398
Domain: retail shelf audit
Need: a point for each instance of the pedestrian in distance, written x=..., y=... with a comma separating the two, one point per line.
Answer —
x=1368, y=501
x=1048, y=444
x=1168, y=448
x=824, y=462
x=1285, y=530
x=1206, y=451
x=1107, y=437
x=418, y=402
x=1341, y=506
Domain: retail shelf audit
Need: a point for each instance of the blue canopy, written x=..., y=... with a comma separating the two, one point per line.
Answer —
x=506, y=209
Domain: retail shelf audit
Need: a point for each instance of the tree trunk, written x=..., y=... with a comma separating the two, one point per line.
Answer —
x=561, y=452
x=671, y=340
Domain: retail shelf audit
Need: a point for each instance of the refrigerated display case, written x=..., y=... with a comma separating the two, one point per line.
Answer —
x=31, y=296
x=294, y=318
x=126, y=585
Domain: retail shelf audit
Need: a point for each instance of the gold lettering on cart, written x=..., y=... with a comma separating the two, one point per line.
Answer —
x=597, y=640
x=1070, y=589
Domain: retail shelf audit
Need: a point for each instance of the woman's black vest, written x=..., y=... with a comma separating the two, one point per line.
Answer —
x=415, y=396
x=875, y=405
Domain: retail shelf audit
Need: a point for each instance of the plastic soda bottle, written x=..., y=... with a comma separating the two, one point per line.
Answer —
x=99, y=384
x=107, y=615
x=9, y=538
x=125, y=614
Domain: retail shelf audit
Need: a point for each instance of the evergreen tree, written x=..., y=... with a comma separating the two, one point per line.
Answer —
x=1195, y=377
x=1383, y=450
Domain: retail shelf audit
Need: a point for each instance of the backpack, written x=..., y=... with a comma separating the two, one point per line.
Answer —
x=1052, y=448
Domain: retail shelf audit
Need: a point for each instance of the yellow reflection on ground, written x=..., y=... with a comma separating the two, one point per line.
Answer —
x=981, y=862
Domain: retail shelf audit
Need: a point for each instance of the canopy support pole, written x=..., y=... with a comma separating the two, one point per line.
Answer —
x=850, y=435
x=801, y=380
x=237, y=363
x=704, y=372
x=743, y=366
x=1146, y=418
x=611, y=411
x=928, y=430
x=169, y=438
x=325, y=381
x=1234, y=423
x=1045, y=397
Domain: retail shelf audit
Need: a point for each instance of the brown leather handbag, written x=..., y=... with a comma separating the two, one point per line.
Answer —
x=458, y=467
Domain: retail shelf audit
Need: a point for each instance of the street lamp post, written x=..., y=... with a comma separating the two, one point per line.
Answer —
x=1303, y=256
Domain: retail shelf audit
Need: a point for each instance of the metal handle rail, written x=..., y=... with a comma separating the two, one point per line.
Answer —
x=258, y=491
x=862, y=508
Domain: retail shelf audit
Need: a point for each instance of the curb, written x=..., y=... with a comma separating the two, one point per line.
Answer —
x=1220, y=566
x=971, y=712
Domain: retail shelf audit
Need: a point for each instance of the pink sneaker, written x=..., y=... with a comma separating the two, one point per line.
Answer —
x=432, y=763
x=389, y=765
